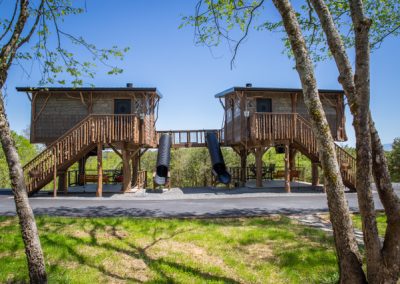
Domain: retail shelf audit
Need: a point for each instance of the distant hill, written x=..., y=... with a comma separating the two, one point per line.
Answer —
x=387, y=147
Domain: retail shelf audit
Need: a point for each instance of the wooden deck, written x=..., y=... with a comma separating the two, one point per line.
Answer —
x=261, y=131
x=94, y=130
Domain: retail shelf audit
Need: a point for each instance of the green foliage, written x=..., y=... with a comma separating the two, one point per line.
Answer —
x=394, y=161
x=46, y=43
x=231, y=20
x=109, y=250
x=26, y=152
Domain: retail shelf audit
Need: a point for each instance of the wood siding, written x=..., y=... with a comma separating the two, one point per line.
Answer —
x=236, y=103
x=53, y=114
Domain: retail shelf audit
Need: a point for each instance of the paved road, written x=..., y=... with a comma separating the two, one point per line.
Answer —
x=246, y=206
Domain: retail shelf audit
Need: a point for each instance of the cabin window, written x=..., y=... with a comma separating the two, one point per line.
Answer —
x=122, y=106
x=264, y=105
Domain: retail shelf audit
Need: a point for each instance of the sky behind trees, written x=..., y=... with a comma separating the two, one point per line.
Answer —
x=188, y=76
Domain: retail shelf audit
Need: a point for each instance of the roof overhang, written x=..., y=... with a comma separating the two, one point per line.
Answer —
x=69, y=89
x=272, y=90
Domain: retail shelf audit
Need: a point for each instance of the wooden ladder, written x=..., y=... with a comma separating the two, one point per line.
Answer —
x=76, y=143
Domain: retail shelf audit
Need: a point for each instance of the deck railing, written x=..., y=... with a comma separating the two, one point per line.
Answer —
x=90, y=131
x=189, y=138
x=270, y=127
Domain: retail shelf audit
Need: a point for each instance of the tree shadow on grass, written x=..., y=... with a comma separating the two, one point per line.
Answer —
x=133, y=251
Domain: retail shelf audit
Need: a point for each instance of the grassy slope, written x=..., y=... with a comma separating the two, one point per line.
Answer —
x=380, y=219
x=114, y=250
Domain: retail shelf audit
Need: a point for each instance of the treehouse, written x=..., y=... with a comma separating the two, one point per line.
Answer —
x=75, y=123
x=256, y=119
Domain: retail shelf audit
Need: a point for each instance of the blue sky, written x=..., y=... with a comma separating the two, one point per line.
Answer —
x=166, y=57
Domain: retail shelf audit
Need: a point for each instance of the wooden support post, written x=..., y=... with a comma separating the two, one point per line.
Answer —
x=55, y=178
x=287, y=168
x=126, y=169
x=99, y=192
x=243, y=166
x=258, y=155
x=314, y=174
x=81, y=171
x=62, y=182
x=135, y=168
x=292, y=161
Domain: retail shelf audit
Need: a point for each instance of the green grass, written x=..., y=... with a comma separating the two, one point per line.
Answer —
x=380, y=220
x=126, y=250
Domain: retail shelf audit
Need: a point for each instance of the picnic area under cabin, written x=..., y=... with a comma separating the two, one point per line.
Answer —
x=77, y=123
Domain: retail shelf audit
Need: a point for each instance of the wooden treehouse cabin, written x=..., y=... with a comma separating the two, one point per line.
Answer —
x=259, y=118
x=75, y=123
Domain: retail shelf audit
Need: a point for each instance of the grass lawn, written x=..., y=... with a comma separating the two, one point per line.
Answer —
x=380, y=220
x=118, y=250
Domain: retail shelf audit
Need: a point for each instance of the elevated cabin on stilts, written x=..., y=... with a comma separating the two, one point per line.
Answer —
x=75, y=123
x=259, y=118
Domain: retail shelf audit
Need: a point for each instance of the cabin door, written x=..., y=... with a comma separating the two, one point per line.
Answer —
x=122, y=106
x=264, y=105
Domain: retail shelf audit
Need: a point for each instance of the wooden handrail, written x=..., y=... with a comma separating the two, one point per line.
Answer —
x=185, y=138
x=294, y=127
x=95, y=128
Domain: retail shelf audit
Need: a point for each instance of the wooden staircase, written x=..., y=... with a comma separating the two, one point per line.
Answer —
x=76, y=143
x=270, y=127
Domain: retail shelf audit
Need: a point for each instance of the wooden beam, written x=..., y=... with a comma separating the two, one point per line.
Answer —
x=99, y=192
x=55, y=177
x=126, y=169
x=62, y=181
x=115, y=150
x=292, y=161
x=243, y=166
x=287, y=168
x=135, y=159
x=258, y=155
x=42, y=108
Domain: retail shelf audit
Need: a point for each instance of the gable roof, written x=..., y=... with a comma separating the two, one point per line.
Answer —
x=88, y=89
x=275, y=90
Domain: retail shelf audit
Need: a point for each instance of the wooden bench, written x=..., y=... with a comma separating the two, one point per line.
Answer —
x=92, y=178
x=293, y=174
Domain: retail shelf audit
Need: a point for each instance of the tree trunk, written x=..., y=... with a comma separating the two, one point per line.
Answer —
x=363, y=140
x=33, y=249
x=350, y=264
x=390, y=264
x=391, y=248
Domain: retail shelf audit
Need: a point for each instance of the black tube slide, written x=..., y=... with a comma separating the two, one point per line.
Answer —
x=163, y=159
x=217, y=160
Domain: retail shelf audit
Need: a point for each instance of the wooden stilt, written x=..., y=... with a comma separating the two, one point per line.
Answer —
x=55, y=178
x=135, y=169
x=258, y=155
x=99, y=192
x=314, y=174
x=62, y=182
x=292, y=161
x=287, y=168
x=243, y=166
x=81, y=171
x=126, y=169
